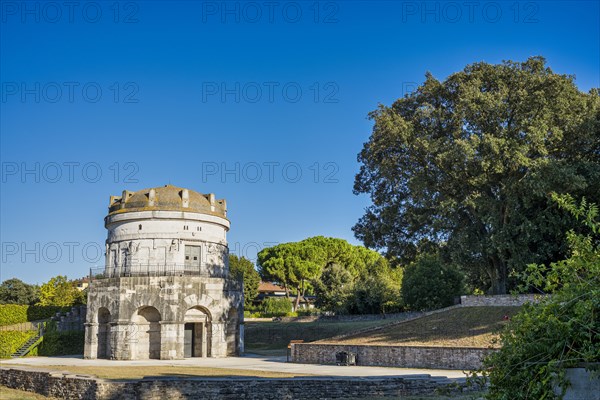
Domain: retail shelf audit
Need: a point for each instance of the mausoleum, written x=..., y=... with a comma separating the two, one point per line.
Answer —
x=165, y=291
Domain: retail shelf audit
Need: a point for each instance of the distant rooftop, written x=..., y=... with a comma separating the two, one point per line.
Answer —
x=269, y=287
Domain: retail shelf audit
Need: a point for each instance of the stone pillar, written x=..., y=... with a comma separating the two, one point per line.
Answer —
x=218, y=342
x=171, y=338
x=90, y=349
x=123, y=336
x=241, y=343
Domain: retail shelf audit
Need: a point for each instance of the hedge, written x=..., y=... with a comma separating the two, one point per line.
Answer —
x=11, y=341
x=16, y=313
x=61, y=343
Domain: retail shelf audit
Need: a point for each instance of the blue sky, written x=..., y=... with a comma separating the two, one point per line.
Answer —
x=262, y=103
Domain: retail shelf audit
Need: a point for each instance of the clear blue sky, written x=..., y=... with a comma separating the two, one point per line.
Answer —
x=154, y=92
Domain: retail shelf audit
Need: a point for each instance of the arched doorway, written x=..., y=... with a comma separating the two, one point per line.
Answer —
x=232, y=332
x=103, y=320
x=197, y=333
x=146, y=339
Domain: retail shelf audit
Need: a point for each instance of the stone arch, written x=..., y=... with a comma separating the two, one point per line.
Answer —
x=194, y=301
x=197, y=332
x=232, y=332
x=103, y=318
x=146, y=340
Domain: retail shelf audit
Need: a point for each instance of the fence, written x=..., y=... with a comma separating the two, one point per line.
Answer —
x=156, y=270
x=232, y=283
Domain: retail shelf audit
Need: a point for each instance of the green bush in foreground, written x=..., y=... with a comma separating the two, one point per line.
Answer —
x=11, y=341
x=560, y=332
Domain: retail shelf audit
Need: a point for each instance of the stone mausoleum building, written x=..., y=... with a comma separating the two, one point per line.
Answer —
x=165, y=291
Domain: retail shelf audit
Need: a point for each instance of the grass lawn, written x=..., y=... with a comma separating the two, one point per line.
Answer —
x=272, y=338
x=139, y=372
x=460, y=327
x=12, y=394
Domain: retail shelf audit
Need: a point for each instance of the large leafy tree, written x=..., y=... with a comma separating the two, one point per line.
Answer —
x=59, y=291
x=293, y=265
x=242, y=268
x=298, y=266
x=15, y=291
x=470, y=161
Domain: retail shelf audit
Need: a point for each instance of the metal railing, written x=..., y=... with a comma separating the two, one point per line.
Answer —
x=133, y=270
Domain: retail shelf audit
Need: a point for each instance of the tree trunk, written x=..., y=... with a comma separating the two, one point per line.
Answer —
x=498, y=276
x=297, y=299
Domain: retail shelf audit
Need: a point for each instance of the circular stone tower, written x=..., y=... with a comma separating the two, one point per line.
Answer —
x=165, y=291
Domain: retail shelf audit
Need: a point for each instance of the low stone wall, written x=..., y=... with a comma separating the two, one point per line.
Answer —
x=584, y=384
x=80, y=387
x=467, y=358
x=502, y=300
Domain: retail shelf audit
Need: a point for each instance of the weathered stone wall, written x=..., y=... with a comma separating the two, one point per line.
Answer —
x=72, y=320
x=502, y=300
x=584, y=384
x=120, y=300
x=392, y=356
x=79, y=387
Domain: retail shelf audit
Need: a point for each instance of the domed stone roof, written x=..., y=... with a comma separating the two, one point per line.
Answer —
x=167, y=198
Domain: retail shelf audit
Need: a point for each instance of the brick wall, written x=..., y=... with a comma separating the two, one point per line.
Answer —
x=392, y=356
x=78, y=387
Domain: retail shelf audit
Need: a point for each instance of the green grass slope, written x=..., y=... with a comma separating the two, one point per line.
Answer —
x=459, y=327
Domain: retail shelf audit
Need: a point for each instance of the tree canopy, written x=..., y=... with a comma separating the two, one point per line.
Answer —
x=59, y=291
x=298, y=266
x=241, y=267
x=469, y=162
x=15, y=291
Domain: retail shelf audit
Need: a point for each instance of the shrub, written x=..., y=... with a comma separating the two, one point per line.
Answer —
x=35, y=313
x=13, y=314
x=61, y=343
x=563, y=330
x=429, y=284
x=16, y=313
x=274, y=307
x=377, y=294
x=308, y=312
x=11, y=341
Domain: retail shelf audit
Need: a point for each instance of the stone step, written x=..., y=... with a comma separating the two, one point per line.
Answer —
x=25, y=348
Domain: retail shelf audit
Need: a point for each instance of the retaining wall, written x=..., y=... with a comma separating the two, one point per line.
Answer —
x=467, y=358
x=501, y=300
x=81, y=387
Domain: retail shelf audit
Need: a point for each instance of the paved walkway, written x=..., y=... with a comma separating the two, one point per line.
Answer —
x=247, y=362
